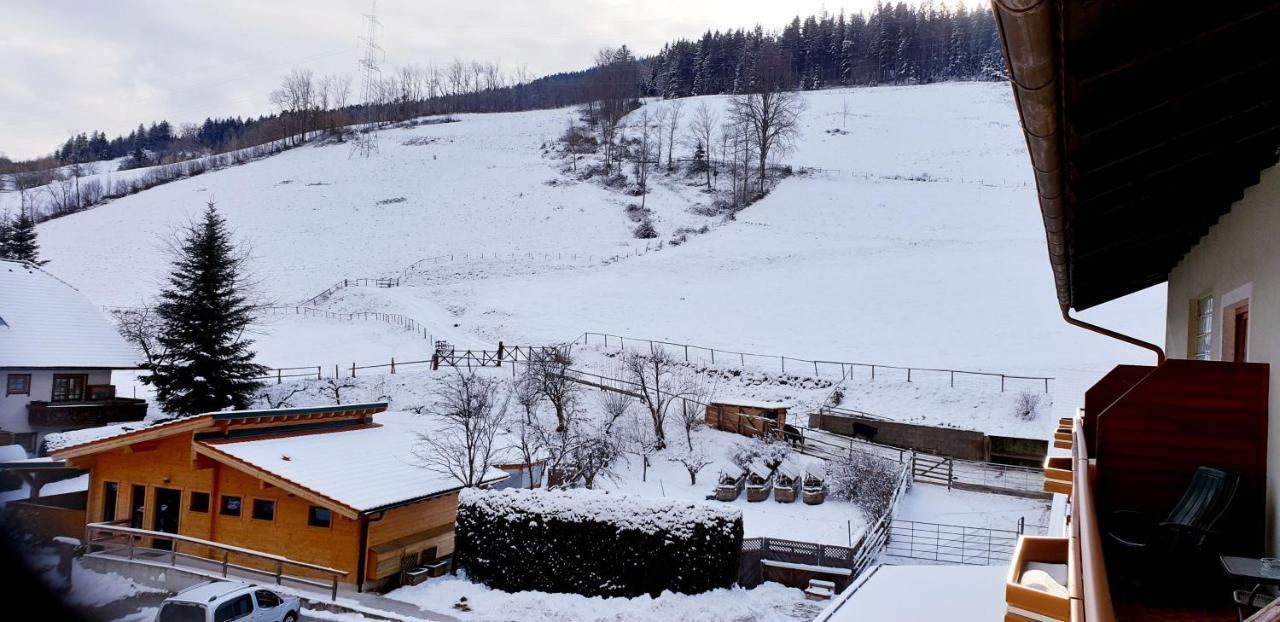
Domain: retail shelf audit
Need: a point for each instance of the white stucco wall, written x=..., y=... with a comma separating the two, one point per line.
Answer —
x=1239, y=259
x=13, y=408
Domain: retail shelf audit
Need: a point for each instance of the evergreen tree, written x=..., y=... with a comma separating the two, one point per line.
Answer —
x=21, y=243
x=207, y=365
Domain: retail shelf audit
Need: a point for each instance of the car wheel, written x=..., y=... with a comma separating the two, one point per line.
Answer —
x=291, y=617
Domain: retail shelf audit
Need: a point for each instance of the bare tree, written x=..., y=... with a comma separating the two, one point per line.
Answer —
x=615, y=405
x=702, y=129
x=549, y=371
x=140, y=327
x=661, y=385
x=639, y=440
x=693, y=459
x=770, y=113
x=673, y=126
x=296, y=97
x=333, y=388
x=642, y=156
x=471, y=415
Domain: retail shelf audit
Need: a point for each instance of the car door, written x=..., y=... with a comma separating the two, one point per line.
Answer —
x=270, y=607
x=236, y=609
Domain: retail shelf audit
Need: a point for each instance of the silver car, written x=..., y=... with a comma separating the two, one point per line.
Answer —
x=225, y=601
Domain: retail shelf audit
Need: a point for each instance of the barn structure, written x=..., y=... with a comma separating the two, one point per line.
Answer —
x=328, y=486
x=748, y=417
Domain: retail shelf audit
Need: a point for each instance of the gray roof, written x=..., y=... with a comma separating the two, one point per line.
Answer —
x=46, y=323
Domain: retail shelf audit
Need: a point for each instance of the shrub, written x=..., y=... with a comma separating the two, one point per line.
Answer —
x=867, y=480
x=645, y=230
x=766, y=449
x=1026, y=405
x=637, y=213
x=595, y=544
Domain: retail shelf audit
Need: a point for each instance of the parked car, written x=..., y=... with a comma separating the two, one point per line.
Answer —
x=225, y=601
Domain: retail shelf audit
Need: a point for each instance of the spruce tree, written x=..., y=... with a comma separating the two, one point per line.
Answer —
x=20, y=244
x=207, y=365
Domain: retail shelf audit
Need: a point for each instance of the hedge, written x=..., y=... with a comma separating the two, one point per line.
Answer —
x=594, y=543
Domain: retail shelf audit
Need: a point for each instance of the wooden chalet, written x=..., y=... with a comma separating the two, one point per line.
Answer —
x=329, y=486
x=1153, y=133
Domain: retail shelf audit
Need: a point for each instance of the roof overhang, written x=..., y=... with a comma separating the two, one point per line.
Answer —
x=1144, y=123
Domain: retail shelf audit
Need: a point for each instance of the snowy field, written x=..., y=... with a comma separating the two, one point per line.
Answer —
x=918, y=243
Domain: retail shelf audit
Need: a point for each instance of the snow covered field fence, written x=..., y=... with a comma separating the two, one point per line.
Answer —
x=395, y=319
x=830, y=369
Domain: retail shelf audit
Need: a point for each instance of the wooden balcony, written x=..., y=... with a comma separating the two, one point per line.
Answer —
x=1057, y=474
x=85, y=414
x=1134, y=446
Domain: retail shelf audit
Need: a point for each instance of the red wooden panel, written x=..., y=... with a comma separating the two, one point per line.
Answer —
x=1183, y=415
x=1104, y=393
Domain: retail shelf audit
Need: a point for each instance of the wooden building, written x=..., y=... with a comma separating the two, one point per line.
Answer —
x=326, y=485
x=748, y=417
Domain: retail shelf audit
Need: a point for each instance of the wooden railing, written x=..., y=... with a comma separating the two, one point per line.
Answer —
x=90, y=413
x=107, y=538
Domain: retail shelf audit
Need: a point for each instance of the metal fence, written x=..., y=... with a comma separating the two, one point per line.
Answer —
x=821, y=369
x=952, y=544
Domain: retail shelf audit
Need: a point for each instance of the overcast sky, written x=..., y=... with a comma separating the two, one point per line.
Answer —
x=75, y=65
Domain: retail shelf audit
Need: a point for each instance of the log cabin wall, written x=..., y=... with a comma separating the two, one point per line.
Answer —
x=410, y=530
x=152, y=463
x=744, y=420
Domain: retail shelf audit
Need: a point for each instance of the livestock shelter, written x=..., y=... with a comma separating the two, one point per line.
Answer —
x=748, y=417
x=327, y=486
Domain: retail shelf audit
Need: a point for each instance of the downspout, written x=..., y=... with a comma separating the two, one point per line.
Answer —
x=1106, y=332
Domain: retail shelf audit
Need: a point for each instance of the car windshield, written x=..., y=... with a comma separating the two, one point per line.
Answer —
x=181, y=612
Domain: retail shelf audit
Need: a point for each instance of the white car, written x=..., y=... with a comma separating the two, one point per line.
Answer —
x=225, y=601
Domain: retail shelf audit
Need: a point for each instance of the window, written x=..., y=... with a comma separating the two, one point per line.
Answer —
x=18, y=384
x=199, y=502
x=139, y=506
x=1202, y=330
x=319, y=517
x=110, y=492
x=181, y=612
x=264, y=509
x=230, y=506
x=236, y=609
x=267, y=599
x=68, y=387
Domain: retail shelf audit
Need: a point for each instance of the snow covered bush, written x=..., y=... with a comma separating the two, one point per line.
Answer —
x=867, y=480
x=1026, y=405
x=766, y=449
x=595, y=544
x=645, y=230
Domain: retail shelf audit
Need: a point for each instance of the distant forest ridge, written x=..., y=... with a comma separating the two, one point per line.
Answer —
x=894, y=44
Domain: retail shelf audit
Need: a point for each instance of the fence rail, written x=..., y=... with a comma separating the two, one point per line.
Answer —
x=113, y=538
x=821, y=369
x=395, y=319
x=952, y=544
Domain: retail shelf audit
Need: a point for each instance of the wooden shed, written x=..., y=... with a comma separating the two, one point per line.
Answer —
x=759, y=481
x=732, y=478
x=748, y=417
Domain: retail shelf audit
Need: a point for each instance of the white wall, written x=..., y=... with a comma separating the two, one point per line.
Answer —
x=13, y=408
x=1239, y=259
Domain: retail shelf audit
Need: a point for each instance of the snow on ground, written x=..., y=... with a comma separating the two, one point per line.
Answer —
x=935, y=504
x=919, y=243
x=768, y=602
x=913, y=593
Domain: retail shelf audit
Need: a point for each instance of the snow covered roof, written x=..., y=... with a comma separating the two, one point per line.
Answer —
x=12, y=453
x=816, y=469
x=59, y=441
x=362, y=469
x=749, y=402
x=790, y=468
x=732, y=470
x=46, y=323
x=759, y=468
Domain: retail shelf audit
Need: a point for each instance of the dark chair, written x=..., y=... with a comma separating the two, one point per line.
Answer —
x=1191, y=523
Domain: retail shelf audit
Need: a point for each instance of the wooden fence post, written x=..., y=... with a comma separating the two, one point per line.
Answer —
x=500, y=349
x=279, y=379
x=393, y=364
x=353, y=369
x=317, y=372
x=335, y=371
x=435, y=361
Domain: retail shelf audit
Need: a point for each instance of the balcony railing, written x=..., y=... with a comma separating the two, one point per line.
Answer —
x=85, y=414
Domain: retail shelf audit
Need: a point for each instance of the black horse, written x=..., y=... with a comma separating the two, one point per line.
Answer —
x=792, y=435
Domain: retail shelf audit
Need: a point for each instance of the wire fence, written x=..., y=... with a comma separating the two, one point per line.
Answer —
x=844, y=370
x=920, y=177
x=952, y=544
x=395, y=319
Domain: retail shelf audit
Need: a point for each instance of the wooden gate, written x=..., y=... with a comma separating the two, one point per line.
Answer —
x=932, y=469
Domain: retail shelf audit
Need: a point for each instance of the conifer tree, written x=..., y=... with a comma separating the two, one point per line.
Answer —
x=207, y=364
x=20, y=244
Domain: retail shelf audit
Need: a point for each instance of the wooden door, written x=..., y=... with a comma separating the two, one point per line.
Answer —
x=1240, y=351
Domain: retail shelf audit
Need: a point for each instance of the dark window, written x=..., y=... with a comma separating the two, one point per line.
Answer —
x=110, y=491
x=138, y=506
x=18, y=384
x=181, y=612
x=267, y=599
x=264, y=509
x=235, y=609
x=230, y=506
x=319, y=517
x=68, y=387
x=200, y=502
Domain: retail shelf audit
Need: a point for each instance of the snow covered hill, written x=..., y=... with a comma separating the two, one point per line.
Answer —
x=918, y=243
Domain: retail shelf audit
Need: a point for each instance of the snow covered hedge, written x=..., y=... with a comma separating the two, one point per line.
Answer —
x=596, y=544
